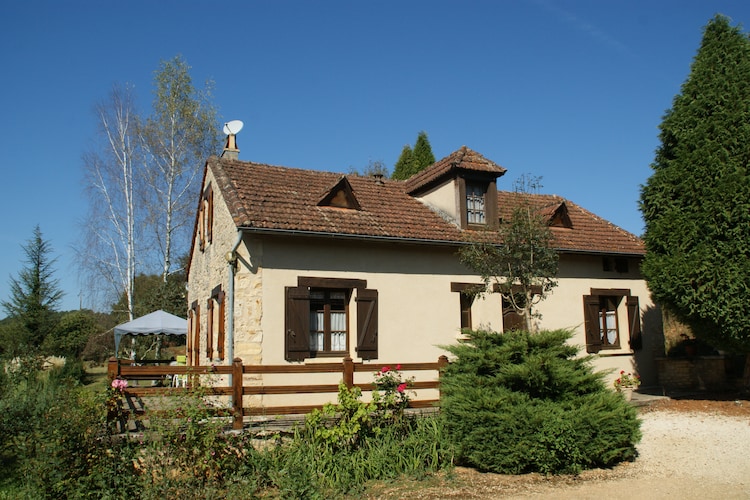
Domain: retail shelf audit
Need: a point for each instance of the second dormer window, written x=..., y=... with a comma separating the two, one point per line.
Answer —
x=475, y=204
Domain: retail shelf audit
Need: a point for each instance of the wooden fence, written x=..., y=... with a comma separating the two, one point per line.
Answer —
x=160, y=373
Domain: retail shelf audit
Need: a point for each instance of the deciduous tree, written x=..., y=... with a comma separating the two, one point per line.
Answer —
x=180, y=133
x=696, y=204
x=523, y=268
x=108, y=255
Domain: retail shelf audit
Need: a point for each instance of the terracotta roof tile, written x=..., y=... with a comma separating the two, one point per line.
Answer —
x=463, y=159
x=277, y=198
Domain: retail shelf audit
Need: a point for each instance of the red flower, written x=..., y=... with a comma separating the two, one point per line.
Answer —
x=401, y=387
x=385, y=369
x=398, y=367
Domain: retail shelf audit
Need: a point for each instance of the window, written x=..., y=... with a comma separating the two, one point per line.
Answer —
x=605, y=313
x=329, y=320
x=511, y=319
x=617, y=264
x=475, y=206
x=467, y=292
x=318, y=318
x=466, y=301
x=477, y=202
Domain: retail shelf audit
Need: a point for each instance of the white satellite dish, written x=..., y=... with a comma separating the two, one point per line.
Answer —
x=233, y=127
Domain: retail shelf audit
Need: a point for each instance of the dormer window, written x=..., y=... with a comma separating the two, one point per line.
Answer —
x=475, y=204
x=477, y=201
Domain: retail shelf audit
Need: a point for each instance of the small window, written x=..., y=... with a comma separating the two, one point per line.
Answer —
x=328, y=321
x=475, y=204
x=608, y=322
x=609, y=330
x=466, y=301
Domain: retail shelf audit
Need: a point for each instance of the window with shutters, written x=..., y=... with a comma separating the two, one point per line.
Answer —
x=611, y=316
x=467, y=292
x=319, y=318
x=477, y=202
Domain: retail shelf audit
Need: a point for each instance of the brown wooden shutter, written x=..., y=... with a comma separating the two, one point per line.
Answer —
x=196, y=335
x=210, y=328
x=591, y=321
x=367, y=323
x=210, y=216
x=297, y=327
x=634, y=323
x=222, y=335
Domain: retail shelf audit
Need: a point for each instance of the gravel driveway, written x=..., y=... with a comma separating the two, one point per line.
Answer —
x=691, y=449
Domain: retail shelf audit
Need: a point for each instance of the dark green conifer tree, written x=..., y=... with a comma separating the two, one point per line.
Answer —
x=405, y=164
x=34, y=297
x=696, y=204
x=423, y=156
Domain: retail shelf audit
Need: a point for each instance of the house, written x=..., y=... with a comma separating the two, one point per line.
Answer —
x=293, y=266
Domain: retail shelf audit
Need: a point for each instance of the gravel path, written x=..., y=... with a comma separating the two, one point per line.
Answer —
x=691, y=450
x=682, y=455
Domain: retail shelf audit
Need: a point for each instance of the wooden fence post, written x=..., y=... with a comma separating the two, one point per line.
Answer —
x=237, y=422
x=348, y=372
x=442, y=363
x=113, y=368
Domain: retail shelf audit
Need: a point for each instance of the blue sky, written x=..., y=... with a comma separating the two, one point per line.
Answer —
x=572, y=91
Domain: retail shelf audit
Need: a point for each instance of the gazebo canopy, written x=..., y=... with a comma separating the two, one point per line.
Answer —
x=155, y=323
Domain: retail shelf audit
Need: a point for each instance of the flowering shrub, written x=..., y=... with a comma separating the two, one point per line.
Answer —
x=391, y=389
x=119, y=384
x=627, y=380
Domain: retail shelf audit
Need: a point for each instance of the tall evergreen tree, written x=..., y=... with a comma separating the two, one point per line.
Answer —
x=414, y=160
x=423, y=156
x=696, y=204
x=35, y=295
x=404, y=167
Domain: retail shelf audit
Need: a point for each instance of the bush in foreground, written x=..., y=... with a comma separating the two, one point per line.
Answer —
x=517, y=403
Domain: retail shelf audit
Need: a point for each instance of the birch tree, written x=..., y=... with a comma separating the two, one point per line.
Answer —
x=181, y=132
x=108, y=256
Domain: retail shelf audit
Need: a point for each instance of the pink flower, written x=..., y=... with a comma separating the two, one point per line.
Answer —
x=398, y=367
x=119, y=384
x=385, y=369
x=401, y=387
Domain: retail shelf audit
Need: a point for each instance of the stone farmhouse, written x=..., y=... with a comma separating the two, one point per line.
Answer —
x=292, y=266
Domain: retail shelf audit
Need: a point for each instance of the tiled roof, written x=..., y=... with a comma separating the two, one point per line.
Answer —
x=463, y=159
x=278, y=198
x=588, y=232
x=273, y=198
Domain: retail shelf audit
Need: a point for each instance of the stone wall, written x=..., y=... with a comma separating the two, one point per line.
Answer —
x=697, y=373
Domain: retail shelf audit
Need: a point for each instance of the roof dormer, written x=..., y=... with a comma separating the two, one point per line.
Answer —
x=341, y=195
x=557, y=215
x=461, y=187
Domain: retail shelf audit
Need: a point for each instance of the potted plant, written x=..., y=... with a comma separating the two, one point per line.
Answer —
x=626, y=383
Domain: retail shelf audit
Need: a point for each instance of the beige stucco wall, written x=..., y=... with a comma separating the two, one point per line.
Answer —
x=443, y=199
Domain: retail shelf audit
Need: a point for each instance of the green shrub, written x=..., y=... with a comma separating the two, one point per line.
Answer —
x=516, y=403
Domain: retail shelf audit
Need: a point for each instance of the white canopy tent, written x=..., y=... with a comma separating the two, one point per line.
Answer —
x=155, y=323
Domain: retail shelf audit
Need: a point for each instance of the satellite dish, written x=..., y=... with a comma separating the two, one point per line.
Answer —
x=233, y=127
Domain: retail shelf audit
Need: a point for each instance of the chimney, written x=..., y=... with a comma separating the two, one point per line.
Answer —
x=231, y=151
